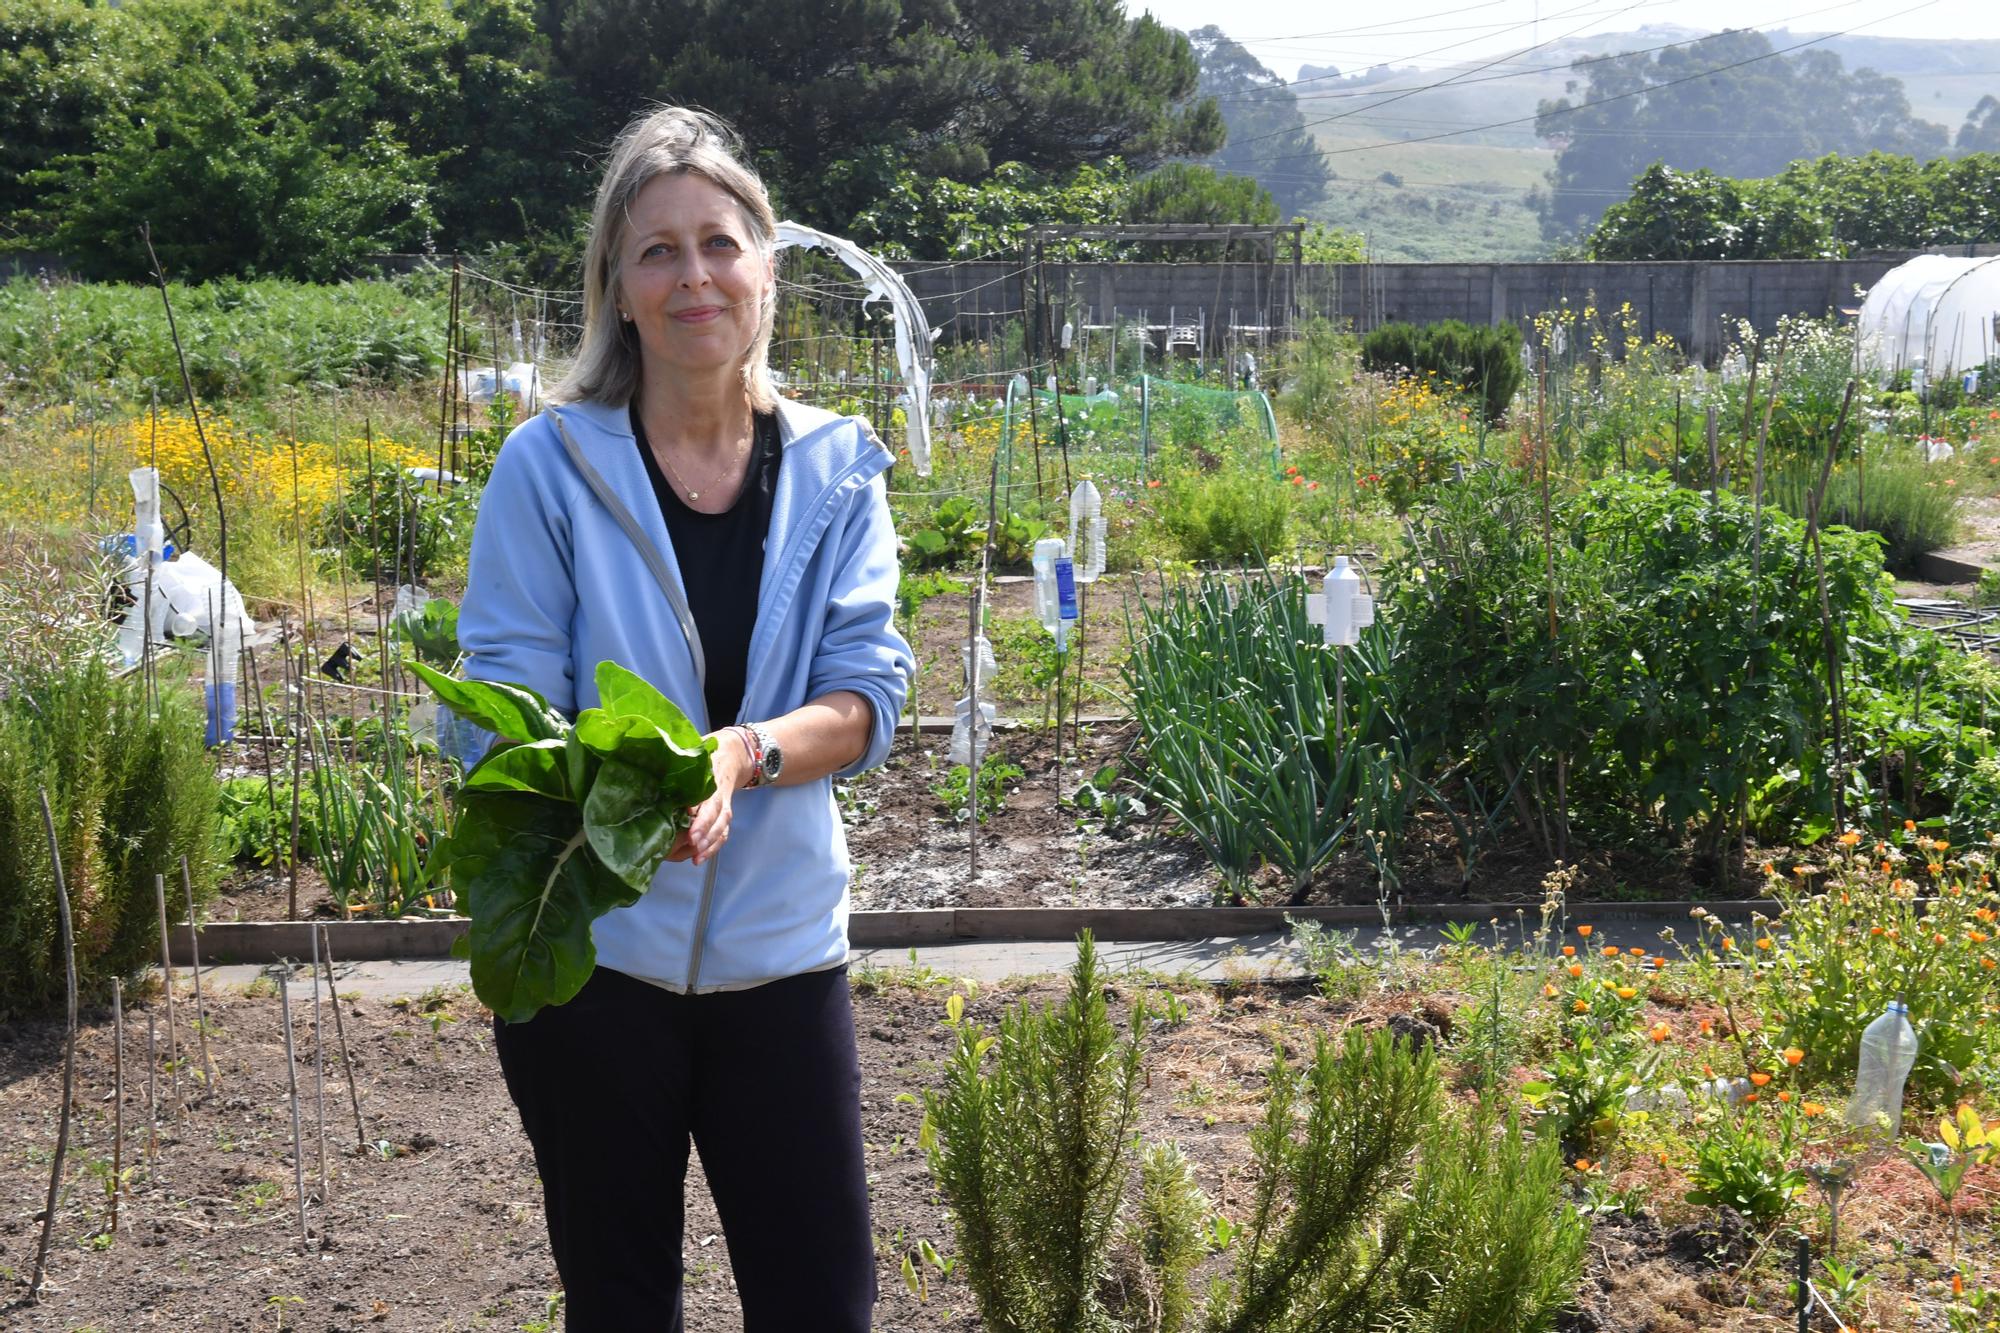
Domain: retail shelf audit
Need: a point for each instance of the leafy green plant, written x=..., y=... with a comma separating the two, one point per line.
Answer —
x=405, y=528
x=1236, y=514
x=1100, y=799
x=954, y=790
x=1014, y=543
x=1738, y=1165
x=1913, y=505
x=560, y=823
x=1483, y=360
x=254, y=819
x=953, y=535
x=432, y=631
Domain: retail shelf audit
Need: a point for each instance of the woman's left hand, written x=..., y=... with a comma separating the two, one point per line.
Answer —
x=710, y=826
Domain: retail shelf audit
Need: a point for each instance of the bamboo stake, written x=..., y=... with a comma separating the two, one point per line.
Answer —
x=340, y=1033
x=167, y=971
x=319, y=1071
x=69, y=1053
x=194, y=957
x=152, y=1091
x=292, y=1084
x=117, y=1097
x=298, y=753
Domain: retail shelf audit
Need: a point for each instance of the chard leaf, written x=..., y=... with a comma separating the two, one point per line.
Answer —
x=628, y=824
x=621, y=692
x=512, y=712
x=537, y=767
x=533, y=888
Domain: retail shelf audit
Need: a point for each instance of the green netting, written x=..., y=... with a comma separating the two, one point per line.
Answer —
x=1120, y=435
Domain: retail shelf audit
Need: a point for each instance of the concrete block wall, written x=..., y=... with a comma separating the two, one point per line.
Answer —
x=1699, y=303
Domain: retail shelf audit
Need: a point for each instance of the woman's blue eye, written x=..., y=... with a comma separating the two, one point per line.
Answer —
x=729, y=241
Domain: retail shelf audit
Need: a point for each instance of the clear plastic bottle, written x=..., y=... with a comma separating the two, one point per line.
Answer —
x=1888, y=1049
x=1086, y=531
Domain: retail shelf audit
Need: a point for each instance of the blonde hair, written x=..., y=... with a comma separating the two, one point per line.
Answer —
x=666, y=141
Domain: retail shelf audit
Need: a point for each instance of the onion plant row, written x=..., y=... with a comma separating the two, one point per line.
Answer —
x=1253, y=742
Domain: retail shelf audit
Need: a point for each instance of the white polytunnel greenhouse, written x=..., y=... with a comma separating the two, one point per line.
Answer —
x=1940, y=313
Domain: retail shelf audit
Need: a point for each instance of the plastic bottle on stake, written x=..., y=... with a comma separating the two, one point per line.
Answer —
x=1343, y=586
x=1086, y=531
x=1888, y=1049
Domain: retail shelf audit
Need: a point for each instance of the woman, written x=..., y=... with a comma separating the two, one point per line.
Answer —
x=672, y=514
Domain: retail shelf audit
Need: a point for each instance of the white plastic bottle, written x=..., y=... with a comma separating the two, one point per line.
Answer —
x=1888, y=1049
x=1342, y=586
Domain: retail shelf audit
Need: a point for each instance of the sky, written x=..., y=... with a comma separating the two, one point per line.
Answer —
x=1284, y=34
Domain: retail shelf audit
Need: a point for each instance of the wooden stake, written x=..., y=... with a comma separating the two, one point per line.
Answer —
x=167, y=970
x=319, y=1072
x=69, y=1052
x=194, y=957
x=117, y=1097
x=292, y=1086
x=340, y=1034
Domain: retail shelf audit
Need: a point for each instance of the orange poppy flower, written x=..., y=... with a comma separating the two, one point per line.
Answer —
x=1760, y=1078
x=1793, y=1055
x=1784, y=1096
x=1583, y=931
x=1610, y=951
x=1569, y=951
x=1574, y=969
x=1583, y=1164
x=1626, y=992
x=1581, y=1006
x=1811, y=1109
x=1764, y=943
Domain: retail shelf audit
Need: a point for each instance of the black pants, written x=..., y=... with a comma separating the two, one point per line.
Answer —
x=766, y=1081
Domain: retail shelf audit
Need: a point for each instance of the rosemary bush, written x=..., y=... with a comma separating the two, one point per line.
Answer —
x=132, y=793
x=1365, y=1192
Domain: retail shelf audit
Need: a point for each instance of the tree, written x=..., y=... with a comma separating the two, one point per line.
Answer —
x=1827, y=209
x=1685, y=106
x=1981, y=131
x=1267, y=135
x=62, y=66
x=942, y=88
x=269, y=140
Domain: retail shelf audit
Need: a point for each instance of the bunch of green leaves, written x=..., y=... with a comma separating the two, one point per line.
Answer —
x=1966, y=1142
x=1897, y=495
x=561, y=823
x=954, y=790
x=1234, y=691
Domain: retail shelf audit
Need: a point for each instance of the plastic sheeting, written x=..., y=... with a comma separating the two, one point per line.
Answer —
x=913, y=336
x=1938, y=311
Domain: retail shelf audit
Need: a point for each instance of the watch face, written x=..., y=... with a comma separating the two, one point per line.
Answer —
x=774, y=760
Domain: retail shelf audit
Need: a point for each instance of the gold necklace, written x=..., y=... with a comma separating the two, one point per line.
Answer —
x=675, y=477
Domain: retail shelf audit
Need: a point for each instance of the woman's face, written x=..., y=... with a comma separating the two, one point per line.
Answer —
x=692, y=279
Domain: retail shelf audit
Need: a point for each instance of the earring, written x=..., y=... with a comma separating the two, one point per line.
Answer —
x=625, y=315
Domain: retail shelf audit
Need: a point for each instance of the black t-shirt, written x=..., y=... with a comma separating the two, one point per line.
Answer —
x=722, y=562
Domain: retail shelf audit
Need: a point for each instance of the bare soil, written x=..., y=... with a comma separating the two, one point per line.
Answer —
x=437, y=1224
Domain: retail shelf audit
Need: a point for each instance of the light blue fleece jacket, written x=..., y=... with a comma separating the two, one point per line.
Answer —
x=556, y=585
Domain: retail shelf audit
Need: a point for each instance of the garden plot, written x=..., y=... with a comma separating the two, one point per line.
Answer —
x=436, y=1224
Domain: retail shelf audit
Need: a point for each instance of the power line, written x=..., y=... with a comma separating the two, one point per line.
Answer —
x=1602, y=101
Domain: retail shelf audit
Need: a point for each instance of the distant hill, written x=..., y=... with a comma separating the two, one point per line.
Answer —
x=1461, y=195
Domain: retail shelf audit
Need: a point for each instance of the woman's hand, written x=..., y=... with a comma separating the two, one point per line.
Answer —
x=710, y=827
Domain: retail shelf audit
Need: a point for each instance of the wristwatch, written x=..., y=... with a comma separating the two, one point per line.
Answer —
x=770, y=759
